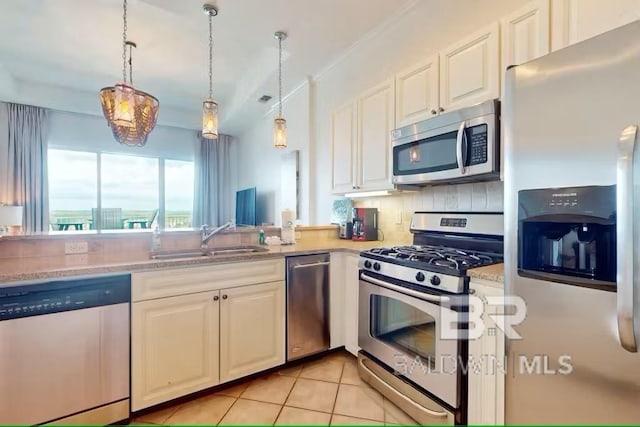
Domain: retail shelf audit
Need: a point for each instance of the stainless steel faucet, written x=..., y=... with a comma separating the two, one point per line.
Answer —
x=206, y=235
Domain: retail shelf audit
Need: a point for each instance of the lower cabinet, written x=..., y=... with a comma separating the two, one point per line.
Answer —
x=487, y=371
x=175, y=347
x=252, y=329
x=185, y=343
x=351, y=285
x=343, y=297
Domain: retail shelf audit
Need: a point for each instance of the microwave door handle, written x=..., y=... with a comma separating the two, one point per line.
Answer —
x=460, y=141
x=625, y=239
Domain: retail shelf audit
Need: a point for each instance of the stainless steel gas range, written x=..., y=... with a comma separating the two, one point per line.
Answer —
x=413, y=305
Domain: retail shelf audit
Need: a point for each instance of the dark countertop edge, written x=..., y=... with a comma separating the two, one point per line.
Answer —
x=138, y=266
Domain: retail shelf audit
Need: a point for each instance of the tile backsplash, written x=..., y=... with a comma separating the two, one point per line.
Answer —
x=394, y=212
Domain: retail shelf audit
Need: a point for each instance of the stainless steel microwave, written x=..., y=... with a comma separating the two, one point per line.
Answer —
x=459, y=146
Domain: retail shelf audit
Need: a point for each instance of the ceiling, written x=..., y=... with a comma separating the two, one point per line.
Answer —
x=76, y=44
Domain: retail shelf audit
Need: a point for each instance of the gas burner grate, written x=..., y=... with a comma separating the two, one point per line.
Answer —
x=439, y=256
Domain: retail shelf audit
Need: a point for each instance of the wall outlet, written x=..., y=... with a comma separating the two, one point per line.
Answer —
x=76, y=247
x=298, y=235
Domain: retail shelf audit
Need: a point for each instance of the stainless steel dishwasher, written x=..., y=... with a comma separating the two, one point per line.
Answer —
x=307, y=305
x=64, y=351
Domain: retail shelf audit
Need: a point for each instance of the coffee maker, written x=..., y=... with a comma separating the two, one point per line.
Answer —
x=365, y=224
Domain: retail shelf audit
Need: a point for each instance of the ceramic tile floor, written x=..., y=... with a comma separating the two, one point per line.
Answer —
x=327, y=391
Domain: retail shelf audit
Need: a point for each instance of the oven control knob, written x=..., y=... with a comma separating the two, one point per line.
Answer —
x=420, y=277
x=367, y=264
x=376, y=266
x=435, y=280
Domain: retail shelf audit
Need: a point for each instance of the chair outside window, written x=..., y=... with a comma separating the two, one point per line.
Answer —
x=110, y=219
x=142, y=222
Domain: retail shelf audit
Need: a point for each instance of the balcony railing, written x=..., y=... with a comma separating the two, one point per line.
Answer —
x=69, y=220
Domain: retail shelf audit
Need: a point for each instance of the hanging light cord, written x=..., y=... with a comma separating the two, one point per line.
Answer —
x=280, y=76
x=124, y=41
x=131, y=64
x=210, y=56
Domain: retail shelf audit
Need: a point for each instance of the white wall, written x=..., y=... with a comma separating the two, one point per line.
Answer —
x=91, y=133
x=259, y=162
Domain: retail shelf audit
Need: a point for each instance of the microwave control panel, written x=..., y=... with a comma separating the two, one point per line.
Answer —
x=477, y=142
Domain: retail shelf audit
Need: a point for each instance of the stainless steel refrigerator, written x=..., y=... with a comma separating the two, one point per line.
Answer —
x=572, y=232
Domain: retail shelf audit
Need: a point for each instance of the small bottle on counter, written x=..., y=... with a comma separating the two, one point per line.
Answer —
x=261, y=239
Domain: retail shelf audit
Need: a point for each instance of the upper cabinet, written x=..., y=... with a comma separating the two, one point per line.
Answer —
x=375, y=123
x=470, y=70
x=525, y=34
x=417, y=92
x=361, y=141
x=577, y=20
x=343, y=143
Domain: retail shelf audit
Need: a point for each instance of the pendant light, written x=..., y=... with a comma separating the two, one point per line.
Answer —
x=280, y=124
x=131, y=114
x=209, y=106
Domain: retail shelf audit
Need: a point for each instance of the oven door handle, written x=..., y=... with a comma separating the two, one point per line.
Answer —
x=404, y=398
x=625, y=239
x=402, y=290
x=461, y=142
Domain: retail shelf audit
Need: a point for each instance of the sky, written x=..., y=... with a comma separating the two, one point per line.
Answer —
x=128, y=182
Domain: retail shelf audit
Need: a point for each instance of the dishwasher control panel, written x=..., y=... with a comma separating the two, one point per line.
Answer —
x=53, y=297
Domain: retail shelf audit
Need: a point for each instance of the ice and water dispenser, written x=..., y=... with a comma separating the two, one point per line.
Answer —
x=568, y=235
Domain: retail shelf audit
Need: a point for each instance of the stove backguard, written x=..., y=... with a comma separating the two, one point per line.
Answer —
x=568, y=235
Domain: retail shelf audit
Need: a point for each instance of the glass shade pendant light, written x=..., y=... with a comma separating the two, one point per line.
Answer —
x=209, y=106
x=131, y=114
x=280, y=124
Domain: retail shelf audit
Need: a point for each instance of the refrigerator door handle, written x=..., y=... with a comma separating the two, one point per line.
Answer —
x=460, y=141
x=625, y=239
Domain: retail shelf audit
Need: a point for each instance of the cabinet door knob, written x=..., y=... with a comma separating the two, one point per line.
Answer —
x=224, y=297
x=434, y=112
x=216, y=298
x=441, y=109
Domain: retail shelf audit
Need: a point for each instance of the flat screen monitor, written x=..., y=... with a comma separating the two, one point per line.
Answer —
x=246, y=207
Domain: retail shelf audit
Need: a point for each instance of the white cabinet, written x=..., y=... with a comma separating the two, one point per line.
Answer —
x=470, y=70
x=344, y=147
x=252, y=329
x=486, y=382
x=361, y=141
x=194, y=328
x=577, y=20
x=417, y=92
x=351, y=285
x=175, y=347
x=336, y=299
x=344, y=301
x=525, y=34
x=375, y=122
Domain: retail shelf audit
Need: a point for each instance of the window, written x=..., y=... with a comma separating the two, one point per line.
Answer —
x=128, y=191
x=178, y=190
x=73, y=188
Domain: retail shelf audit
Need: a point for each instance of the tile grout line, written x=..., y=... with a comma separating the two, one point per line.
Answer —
x=335, y=400
x=286, y=398
x=232, y=405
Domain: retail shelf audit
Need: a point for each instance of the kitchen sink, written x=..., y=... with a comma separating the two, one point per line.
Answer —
x=209, y=252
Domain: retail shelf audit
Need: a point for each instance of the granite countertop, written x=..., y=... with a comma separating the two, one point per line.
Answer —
x=50, y=267
x=492, y=273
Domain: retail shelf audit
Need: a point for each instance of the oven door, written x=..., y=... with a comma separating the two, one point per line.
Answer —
x=458, y=151
x=401, y=328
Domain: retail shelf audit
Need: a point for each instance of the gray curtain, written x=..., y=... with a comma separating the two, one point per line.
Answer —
x=23, y=163
x=212, y=197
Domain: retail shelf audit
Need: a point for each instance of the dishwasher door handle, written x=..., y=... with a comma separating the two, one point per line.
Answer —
x=315, y=264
